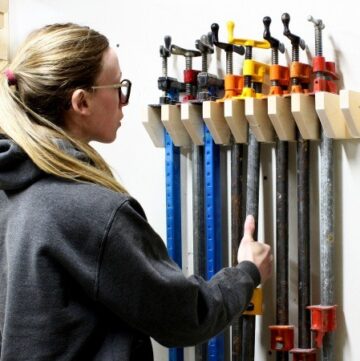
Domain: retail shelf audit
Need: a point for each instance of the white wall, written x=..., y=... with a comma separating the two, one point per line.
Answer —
x=139, y=27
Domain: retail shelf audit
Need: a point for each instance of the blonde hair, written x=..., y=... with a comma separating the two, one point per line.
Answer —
x=53, y=62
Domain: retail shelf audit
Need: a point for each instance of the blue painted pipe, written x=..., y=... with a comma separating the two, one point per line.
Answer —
x=213, y=227
x=173, y=214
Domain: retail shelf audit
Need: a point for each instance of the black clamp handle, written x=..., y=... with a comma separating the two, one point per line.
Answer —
x=238, y=49
x=165, y=50
x=296, y=41
x=274, y=43
x=205, y=44
x=177, y=50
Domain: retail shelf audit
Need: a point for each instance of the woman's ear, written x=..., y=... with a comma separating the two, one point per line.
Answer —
x=80, y=102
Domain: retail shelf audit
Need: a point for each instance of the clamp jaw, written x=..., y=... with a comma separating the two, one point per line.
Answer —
x=254, y=72
x=255, y=305
x=279, y=75
x=282, y=337
x=190, y=75
x=303, y=354
x=323, y=320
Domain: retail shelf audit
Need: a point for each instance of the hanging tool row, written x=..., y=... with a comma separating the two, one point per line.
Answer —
x=202, y=112
x=274, y=116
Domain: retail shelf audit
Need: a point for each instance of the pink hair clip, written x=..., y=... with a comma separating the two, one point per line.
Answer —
x=10, y=76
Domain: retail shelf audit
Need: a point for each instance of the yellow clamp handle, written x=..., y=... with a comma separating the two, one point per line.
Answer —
x=245, y=42
x=255, y=305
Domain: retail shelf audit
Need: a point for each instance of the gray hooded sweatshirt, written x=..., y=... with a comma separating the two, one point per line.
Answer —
x=83, y=276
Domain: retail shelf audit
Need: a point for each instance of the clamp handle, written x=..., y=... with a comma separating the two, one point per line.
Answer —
x=296, y=41
x=317, y=22
x=244, y=42
x=205, y=44
x=177, y=50
x=225, y=46
x=165, y=50
x=274, y=43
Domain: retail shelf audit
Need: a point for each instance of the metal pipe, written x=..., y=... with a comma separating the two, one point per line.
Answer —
x=327, y=238
x=237, y=218
x=199, y=226
x=282, y=240
x=253, y=172
x=303, y=201
x=173, y=214
x=213, y=227
x=252, y=207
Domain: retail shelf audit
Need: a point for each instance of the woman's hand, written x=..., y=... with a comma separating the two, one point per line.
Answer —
x=258, y=253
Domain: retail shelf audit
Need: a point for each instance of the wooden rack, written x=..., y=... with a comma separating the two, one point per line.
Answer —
x=269, y=118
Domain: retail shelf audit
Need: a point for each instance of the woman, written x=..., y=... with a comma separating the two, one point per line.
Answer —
x=83, y=276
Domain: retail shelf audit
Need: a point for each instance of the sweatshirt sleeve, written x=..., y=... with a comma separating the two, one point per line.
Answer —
x=139, y=283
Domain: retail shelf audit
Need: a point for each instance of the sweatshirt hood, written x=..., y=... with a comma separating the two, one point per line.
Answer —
x=17, y=170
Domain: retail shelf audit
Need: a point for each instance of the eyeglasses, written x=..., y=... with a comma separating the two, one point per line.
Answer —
x=124, y=88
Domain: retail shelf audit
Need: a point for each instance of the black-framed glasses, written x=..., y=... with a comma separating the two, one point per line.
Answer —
x=124, y=88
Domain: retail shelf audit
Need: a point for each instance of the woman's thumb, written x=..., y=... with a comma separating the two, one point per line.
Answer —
x=249, y=226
